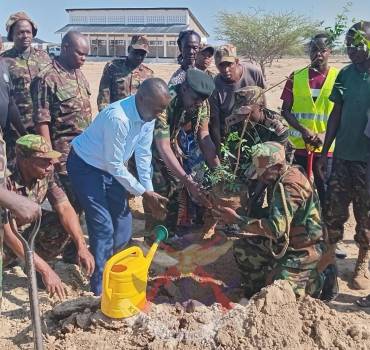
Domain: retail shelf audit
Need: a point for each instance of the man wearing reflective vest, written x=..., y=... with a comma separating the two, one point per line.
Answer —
x=306, y=107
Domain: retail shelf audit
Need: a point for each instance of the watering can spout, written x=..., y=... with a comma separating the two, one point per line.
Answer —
x=161, y=233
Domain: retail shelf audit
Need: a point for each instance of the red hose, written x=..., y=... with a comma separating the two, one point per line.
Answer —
x=310, y=155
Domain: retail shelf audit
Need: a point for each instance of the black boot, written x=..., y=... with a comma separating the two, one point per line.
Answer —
x=330, y=290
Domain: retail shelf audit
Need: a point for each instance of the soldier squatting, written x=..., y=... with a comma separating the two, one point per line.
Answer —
x=160, y=141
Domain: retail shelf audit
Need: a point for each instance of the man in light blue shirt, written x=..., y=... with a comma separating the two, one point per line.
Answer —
x=97, y=168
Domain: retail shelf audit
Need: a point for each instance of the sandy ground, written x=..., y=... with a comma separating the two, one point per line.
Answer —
x=216, y=282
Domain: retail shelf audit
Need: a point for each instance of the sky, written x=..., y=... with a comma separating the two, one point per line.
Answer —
x=50, y=15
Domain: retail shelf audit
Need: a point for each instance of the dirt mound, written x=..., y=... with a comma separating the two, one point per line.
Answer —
x=273, y=319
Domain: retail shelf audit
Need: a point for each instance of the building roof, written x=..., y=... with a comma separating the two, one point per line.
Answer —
x=142, y=8
x=124, y=29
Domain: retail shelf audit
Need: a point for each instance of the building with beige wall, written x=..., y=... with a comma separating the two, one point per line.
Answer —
x=109, y=30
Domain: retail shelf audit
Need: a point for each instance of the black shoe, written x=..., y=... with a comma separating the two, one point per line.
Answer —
x=330, y=290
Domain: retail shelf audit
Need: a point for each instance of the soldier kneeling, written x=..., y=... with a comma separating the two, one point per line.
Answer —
x=286, y=242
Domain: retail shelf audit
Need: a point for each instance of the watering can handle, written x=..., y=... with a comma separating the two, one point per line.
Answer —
x=117, y=258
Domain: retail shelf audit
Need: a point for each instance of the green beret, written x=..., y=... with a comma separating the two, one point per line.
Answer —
x=200, y=82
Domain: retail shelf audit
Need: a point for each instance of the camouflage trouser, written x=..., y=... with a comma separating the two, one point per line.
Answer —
x=347, y=183
x=50, y=241
x=259, y=268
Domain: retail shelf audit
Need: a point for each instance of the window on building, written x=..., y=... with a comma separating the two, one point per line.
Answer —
x=98, y=42
x=176, y=19
x=116, y=19
x=155, y=19
x=117, y=42
x=98, y=19
x=171, y=43
x=135, y=19
x=155, y=43
x=79, y=19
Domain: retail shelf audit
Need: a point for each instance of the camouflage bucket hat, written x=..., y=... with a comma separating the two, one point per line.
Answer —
x=14, y=18
x=266, y=155
x=249, y=95
x=140, y=42
x=35, y=146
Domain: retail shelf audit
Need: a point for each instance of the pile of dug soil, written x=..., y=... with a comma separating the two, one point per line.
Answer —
x=273, y=319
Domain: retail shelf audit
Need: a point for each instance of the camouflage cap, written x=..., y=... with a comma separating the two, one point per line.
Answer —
x=140, y=42
x=205, y=47
x=246, y=96
x=14, y=18
x=225, y=53
x=35, y=146
x=267, y=154
x=200, y=82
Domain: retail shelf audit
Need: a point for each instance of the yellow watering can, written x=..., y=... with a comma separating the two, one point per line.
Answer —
x=125, y=278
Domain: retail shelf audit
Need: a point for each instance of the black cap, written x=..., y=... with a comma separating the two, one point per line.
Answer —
x=200, y=82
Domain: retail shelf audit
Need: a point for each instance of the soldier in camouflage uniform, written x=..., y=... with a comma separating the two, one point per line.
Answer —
x=183, y=126
x=182, y=146
x=25, y=63
x=61, y=99
x=347, y=182
x=122, y=77
x=32, y=177
x=286, y=242
x=261, y=125
x=25, y=210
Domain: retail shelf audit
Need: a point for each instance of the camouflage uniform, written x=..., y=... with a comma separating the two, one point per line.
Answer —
x=178, y=125
x=52, y=238
x=119, y=81
x=62, y=99
x=347, y=183
x=293, y=211
x=24, y=67
x=273, y=127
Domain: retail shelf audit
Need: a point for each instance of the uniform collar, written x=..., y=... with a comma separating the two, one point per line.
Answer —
x=24, y=55
x=61, y=70
x=17, y=180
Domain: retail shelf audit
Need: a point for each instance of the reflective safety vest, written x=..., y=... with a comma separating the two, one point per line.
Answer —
x=311, y=114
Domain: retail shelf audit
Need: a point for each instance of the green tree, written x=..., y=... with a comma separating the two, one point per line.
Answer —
x=264, y=37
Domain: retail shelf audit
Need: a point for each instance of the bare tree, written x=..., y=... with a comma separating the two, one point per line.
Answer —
x=264, y=37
